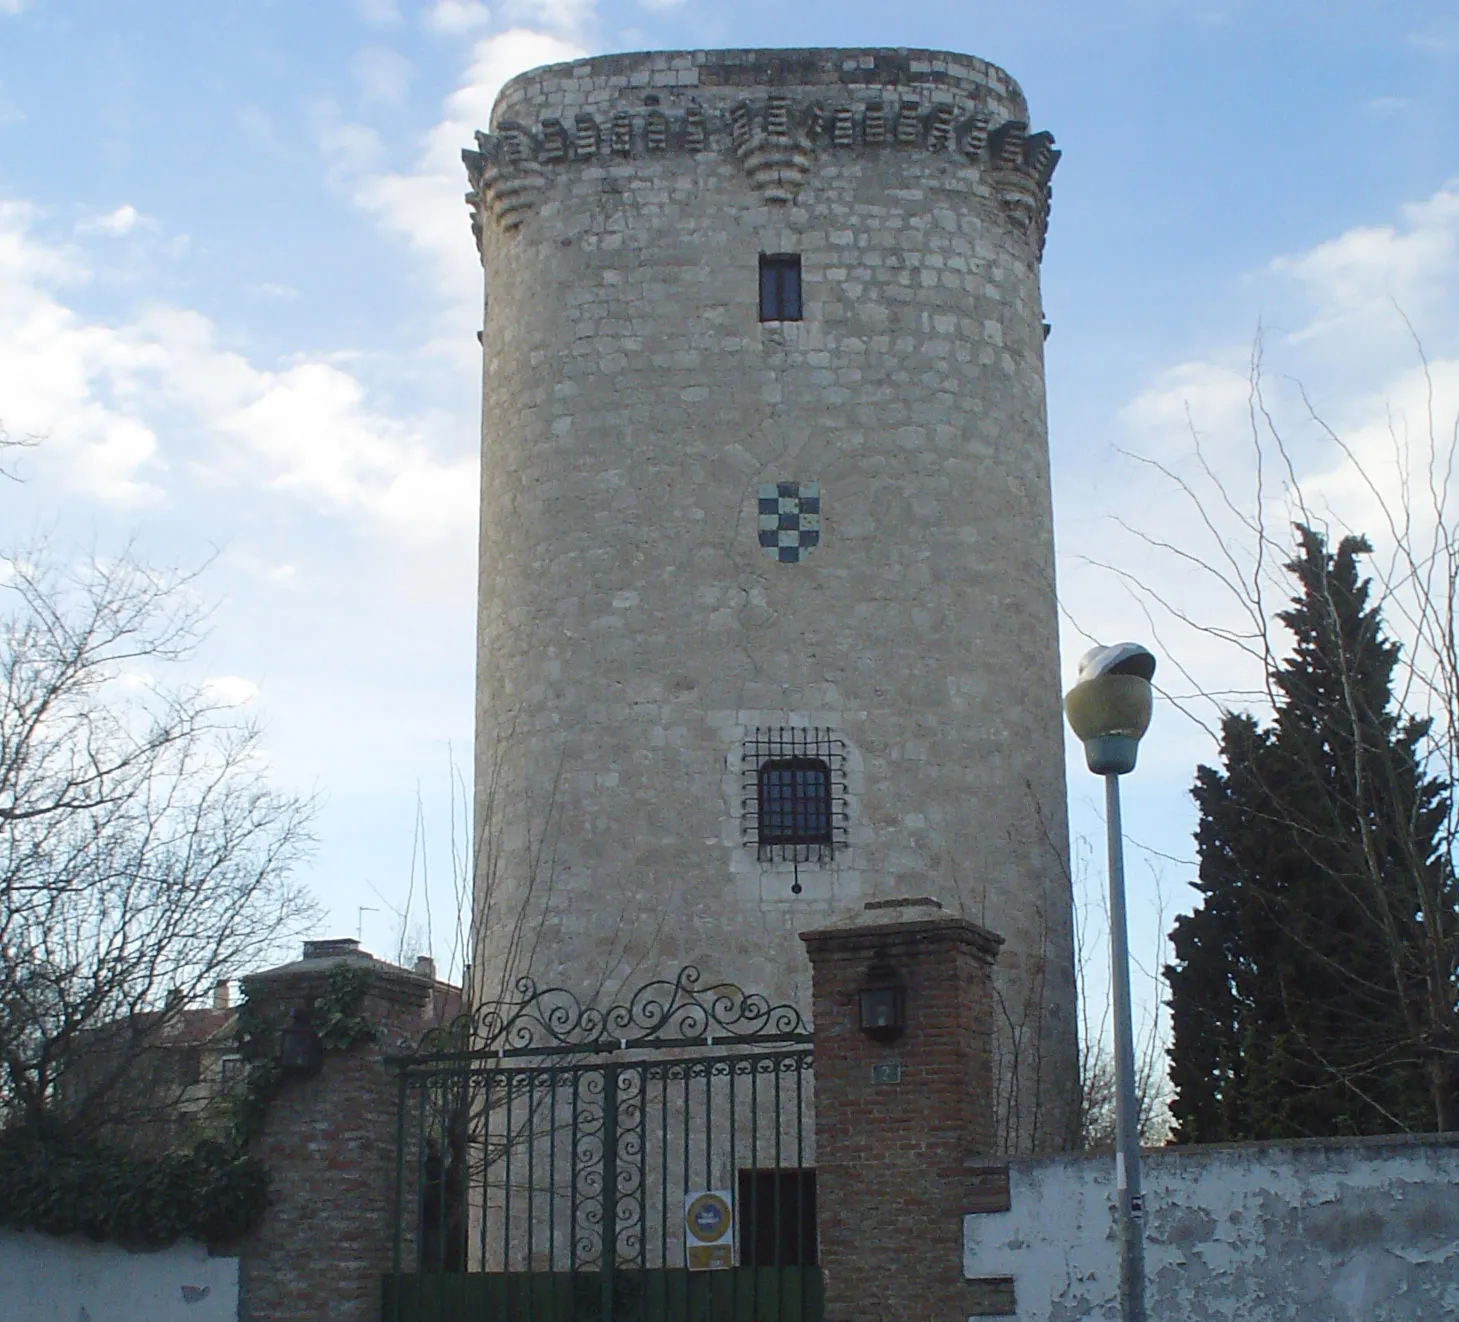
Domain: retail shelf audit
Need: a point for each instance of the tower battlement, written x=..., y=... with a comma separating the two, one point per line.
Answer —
x=775, y=111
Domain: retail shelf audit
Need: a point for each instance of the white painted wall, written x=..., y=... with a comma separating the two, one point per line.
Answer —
x=1318, y=1232
x=44, y=1279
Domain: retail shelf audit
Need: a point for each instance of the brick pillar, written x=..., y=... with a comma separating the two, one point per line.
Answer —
x=900, y=1125
x=329, y=1148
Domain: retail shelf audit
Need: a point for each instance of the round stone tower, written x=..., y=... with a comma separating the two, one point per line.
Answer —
x=767, y=624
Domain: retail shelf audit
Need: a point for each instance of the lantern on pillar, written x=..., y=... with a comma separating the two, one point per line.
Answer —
x=883, y=1003
x=300, y=1051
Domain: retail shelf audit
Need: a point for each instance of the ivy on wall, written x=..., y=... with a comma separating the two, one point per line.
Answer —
x=214, y=1192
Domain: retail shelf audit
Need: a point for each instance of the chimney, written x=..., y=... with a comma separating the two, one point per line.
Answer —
x=333, y=948
x=220, y=994
x=425, y=967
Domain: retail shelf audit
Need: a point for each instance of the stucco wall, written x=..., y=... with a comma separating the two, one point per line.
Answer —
x=43, y=1279
x=1322, y=1232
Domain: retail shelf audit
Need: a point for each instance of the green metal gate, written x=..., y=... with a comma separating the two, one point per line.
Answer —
x=651, y=1162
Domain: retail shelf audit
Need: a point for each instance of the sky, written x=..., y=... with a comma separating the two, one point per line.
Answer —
x=238, y=304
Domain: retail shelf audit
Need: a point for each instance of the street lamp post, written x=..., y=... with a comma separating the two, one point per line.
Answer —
x=1109, y=709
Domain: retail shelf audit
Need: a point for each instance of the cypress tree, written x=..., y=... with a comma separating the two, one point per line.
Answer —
x=1307, y=994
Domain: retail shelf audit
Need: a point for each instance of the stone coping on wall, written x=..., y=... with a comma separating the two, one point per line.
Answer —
x=900, y=921
x=707, y=70
x=1368, y=1143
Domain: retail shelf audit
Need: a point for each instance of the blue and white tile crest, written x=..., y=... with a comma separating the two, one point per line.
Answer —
x=790, y=520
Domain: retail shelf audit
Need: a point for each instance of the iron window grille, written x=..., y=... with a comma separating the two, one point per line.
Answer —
x=780, y=287
x=793, y=802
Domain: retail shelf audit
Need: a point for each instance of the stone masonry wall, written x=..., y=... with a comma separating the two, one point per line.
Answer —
x=902, y=1128
x=635, y=639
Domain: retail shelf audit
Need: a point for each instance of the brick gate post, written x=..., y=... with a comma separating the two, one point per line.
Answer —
x=328, y=1145
x=901, y=1123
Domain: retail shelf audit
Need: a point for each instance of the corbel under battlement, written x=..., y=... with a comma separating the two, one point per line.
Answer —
x=776, y=141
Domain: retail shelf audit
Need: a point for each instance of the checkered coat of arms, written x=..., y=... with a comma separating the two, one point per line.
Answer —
x=790, y=520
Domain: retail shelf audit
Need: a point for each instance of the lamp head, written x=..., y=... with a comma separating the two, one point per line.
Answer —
x=1109, y=706
x=1120, y=659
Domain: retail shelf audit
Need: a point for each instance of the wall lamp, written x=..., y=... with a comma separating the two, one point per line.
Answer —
x=883, y=999
x=300, y=1051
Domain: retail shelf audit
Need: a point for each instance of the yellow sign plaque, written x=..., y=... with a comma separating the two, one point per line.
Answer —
x=709, y=1230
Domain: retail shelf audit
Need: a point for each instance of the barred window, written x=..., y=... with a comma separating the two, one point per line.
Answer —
x=795, y=801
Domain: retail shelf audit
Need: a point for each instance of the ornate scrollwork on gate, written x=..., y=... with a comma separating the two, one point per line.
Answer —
x=587, y=1153
x=567, y=1137
x=681, y=1011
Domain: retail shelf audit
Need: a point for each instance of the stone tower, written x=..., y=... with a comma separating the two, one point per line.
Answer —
x=767, y=623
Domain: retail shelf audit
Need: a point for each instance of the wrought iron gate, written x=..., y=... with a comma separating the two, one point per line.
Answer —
x=652, y=1161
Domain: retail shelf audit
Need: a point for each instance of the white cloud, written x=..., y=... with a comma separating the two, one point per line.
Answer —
x=457, y=16
x=57, y=373
x=1434, y=43
x=123, y=220
x=1369, y=268
x=383, y=76
x=1355, y=303
x=1204, y=397
x=274, y=289
x=12, y=6
x=377, y=13
x=571, y=20
x=1383, y=107
x=661, y=6
x=424, y=205
x=1406, y=415
x=10, y=112
x=349, y=149
x=259, y=125
x=230, y=690
x=307, y=430
x=124, y=407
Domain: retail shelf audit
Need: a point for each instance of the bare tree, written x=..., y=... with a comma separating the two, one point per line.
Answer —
x=143, y=858
x=1096, y=1117
x=9, y=442
x=1233, y=545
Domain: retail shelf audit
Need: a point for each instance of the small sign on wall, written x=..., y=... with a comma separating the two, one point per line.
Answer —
x=709, y=1230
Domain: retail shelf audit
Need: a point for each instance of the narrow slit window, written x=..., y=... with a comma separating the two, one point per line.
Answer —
x=795, y=802
x=780, y=287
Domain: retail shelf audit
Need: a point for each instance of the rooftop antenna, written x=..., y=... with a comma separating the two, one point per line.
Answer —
x=360, y=920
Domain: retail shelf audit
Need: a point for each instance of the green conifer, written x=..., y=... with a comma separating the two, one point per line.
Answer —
x=1299, y=991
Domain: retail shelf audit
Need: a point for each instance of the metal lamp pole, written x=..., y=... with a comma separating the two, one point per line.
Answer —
x=1109, y=709
x=1130, y=1199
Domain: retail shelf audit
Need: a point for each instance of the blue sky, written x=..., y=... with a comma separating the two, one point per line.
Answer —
x=238, y=298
